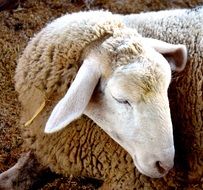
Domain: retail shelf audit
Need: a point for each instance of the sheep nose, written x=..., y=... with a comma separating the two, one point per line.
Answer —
x=162, y=167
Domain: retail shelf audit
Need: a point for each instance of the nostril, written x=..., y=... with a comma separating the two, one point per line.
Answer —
x=161, y=167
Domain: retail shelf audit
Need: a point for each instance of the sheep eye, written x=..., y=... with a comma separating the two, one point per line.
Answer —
x=122, y=101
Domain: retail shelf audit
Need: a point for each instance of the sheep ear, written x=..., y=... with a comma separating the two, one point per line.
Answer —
x=176, y=55
x=73, y=104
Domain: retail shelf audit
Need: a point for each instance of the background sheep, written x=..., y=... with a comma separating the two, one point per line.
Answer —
x=19, y=26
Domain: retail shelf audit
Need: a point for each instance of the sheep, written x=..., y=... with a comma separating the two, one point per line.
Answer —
x=181, y=26
x=90, y=63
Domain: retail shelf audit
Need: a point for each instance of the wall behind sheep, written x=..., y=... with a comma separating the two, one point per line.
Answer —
x=135, y=6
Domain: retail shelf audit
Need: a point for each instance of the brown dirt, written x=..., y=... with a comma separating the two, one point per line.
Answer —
x=16, y=28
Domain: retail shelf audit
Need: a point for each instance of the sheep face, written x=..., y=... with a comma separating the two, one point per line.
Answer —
x=131, y=104
x=133, y=109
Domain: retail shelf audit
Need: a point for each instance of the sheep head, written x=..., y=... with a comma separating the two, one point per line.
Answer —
x=122, y=87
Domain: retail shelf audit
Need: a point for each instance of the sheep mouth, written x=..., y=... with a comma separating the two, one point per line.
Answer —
x=156, y=172
x=161, y=169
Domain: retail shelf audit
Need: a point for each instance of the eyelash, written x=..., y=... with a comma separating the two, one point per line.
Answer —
x=122, y=101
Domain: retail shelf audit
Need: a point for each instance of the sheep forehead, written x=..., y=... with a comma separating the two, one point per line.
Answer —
x=122, y=47
x=141, y=80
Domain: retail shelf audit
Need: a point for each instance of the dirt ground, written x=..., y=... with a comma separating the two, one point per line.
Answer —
x=17, y=26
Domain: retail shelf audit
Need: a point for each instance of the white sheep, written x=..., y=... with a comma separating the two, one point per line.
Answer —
x=182, y=26
x=121, y=85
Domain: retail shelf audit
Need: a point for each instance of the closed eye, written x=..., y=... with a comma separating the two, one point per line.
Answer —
x=122, y=101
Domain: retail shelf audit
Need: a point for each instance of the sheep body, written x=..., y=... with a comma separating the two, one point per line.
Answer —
x=68, y=152
x=60, y=38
